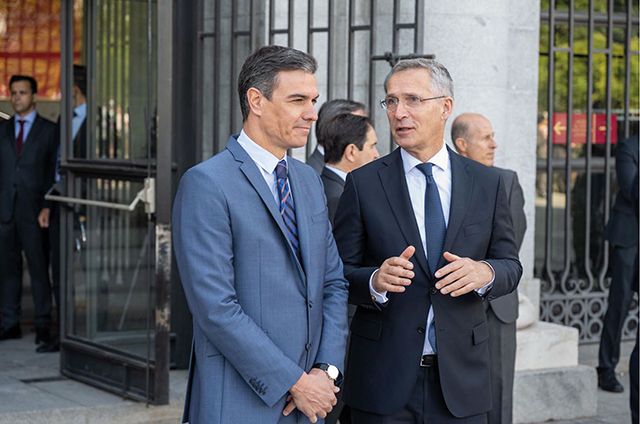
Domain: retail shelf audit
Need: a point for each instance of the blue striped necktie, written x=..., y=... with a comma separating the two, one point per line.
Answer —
x=435, y=230
x=287, y=210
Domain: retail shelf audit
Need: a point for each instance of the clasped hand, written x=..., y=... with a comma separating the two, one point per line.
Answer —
x=458, y=277
x=314, y=395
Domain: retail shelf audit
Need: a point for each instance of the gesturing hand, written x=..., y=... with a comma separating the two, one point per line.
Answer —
x=313, y=394
x=395, y=273
x=462, y=275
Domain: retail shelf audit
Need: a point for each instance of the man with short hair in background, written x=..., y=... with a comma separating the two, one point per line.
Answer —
x=473, y=138
x=350, y=142
x=327, y=112
x=27, y=162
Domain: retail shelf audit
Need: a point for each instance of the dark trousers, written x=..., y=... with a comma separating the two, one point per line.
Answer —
x=624, y=268
x=342, y=411
x=15, y=236
x=426, y=406
x=502, y=347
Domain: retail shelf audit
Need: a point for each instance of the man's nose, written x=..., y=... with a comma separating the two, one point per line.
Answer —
x=311, y=114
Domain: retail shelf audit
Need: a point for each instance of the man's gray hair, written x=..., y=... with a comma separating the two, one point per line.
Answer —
x=441, y=81
x=330, y=110
x=260, y=71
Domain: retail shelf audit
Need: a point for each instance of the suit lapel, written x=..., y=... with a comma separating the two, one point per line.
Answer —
x=300, y=202
x=461, y=189
x=394, y=184
x=327, y=173
x=253, y=174
x=11, y=136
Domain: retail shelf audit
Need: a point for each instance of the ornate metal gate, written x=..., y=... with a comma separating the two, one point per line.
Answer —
x=588, y=100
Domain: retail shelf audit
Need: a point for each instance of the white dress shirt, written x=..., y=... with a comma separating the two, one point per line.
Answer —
x=320, y=149
x=339, y=172
x=417, y=185
x=266, y=162
x=29, y=120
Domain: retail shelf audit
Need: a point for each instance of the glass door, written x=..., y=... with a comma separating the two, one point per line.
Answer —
x=110, y=335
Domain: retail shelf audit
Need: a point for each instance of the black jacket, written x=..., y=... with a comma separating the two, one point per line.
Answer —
x=25, y=179
x=375, y=221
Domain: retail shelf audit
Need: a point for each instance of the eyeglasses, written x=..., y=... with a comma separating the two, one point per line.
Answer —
x=413, y=102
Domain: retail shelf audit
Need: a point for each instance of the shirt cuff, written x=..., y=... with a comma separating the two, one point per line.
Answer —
x=375, y=296
x=483, y=290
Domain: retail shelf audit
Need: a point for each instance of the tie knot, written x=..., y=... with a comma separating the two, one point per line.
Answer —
x=426, y=169
x=21, y=122
x=281, y=169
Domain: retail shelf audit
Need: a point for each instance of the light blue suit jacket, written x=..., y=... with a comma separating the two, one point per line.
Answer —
x=259, y=317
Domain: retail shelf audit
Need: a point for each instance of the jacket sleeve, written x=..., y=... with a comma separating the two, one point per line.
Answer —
x=351, y=239
x=626, y=169
x=516, y=205
x=502, y=253
x=204, y=252
x=52, y=157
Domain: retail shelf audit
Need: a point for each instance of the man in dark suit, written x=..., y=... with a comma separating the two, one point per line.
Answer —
x=350, y=143
x=27, y=161
x=622, y=233
x=79, y=137
x=327, y=112
x=424, y=221
x=473, y=137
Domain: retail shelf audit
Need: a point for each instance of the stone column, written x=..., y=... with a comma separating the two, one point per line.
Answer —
x=492, y=54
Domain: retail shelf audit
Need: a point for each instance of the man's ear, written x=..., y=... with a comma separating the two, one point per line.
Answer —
x=461, y=146
x=447, y=108
x=255, y=99
x=349, y=153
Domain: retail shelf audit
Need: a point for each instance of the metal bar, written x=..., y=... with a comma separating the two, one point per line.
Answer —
x=271, y=20
x=419, y=28
x=394, y=30
x=108, y=205
x=310, y=32
x=577, y=164
x=291, y=17
x=607, y=164
x=588, y=152
x=372, y=69
x=405, y=25
x=216, y=79
x=549, y=215
x=149, y=111
x=318, y=29
x=234, y=47
x=329, y=51
x=627, y=71
x=205, y=34
x=360, y=27
x=350, y=49
x=582, y=18
x=568, y=195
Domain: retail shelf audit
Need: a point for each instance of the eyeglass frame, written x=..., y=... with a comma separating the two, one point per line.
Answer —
x=384, y=106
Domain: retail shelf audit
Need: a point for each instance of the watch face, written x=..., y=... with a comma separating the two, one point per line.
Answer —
x=333, y=372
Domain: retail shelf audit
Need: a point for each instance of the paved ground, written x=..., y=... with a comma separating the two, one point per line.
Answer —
x=32, y=391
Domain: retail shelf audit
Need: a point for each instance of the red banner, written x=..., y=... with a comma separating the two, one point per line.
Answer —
x=579, y=128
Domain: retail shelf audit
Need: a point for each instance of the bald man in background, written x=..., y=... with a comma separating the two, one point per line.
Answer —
x=473, y=137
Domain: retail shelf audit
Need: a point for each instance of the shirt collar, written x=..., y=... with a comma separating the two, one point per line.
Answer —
x=81, y=111
x=320, y=149
x=29, y=118
x=340, y=173
x=440, y=159
x=262, y=157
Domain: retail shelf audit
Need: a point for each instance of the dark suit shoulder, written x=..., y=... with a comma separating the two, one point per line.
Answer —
x=47, y=123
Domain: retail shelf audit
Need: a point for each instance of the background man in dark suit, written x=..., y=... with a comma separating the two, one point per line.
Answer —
x=349, y=144
x=473, y=137
x=424, y=221
x=622, y=233
x=79, y=137
x=27, y=161
x=327, y=112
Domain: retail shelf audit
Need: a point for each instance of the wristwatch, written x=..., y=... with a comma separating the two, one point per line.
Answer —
x=332, y=372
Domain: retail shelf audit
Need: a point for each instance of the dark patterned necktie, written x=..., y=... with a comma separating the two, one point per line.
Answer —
x=435, y=230
x=20, y=139
x=287, y=210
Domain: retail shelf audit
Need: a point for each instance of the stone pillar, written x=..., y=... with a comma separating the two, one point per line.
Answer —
x=492, y=54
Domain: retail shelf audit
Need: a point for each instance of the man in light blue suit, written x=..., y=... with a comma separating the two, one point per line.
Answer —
x=258, y=262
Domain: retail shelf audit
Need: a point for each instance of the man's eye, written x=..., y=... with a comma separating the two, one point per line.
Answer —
x=414, y=99
x=392, y=101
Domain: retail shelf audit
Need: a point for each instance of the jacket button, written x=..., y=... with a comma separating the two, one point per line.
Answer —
x=310, y=304
x=421, y=330
x=308, y=346
x=433, y=290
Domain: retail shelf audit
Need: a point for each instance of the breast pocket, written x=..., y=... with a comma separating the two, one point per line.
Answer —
x=477, y=227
